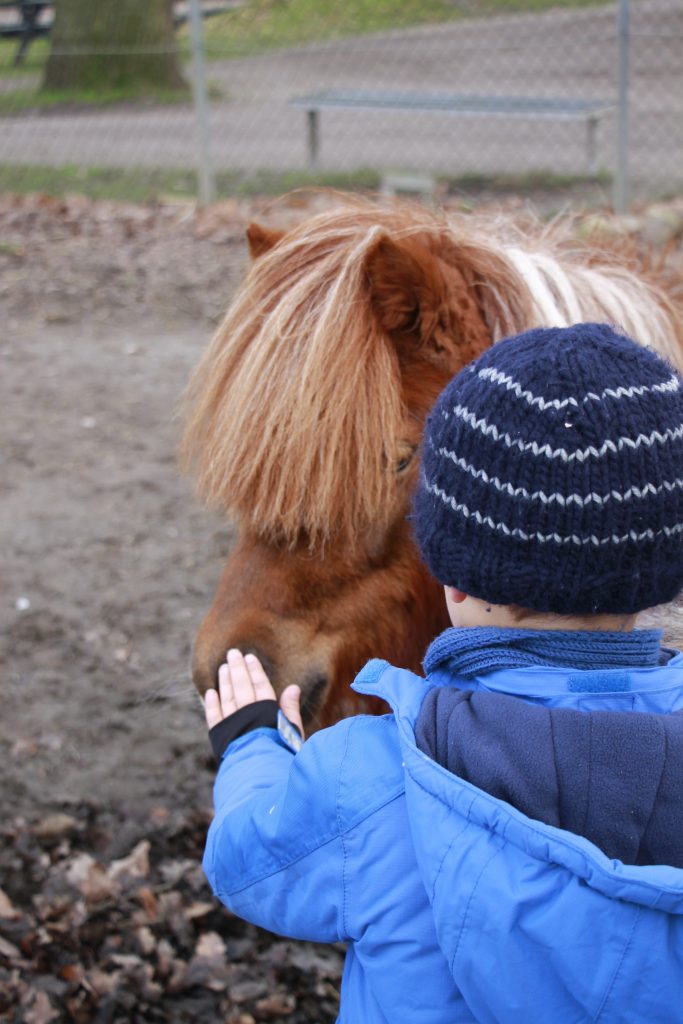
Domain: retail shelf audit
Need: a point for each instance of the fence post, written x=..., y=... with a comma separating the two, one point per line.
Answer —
x=621, y=178
x=207, y=183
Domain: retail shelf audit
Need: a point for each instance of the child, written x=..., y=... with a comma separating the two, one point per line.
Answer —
x=507, y=845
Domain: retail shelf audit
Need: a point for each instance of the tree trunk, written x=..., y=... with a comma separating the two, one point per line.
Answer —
x=113, y=44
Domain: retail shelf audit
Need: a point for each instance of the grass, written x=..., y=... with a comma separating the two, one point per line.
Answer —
x=267, y=24
x=140, y=185
x=523, y=183
x=136, y=185
x=33, y=63
x=18, y=101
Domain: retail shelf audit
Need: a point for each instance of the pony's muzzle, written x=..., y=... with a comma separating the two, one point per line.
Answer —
x=313, y=683
x=313, y=693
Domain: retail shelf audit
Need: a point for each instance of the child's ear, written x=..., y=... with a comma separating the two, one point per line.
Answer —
x=454, y=595
x=260, y=240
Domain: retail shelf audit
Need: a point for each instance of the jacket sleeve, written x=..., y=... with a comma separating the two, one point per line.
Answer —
x=274, y=853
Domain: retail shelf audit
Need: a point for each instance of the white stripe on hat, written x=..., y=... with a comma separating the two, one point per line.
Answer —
x=580, y=454
x=497, y=377
x=555, y=497
x=555, y=538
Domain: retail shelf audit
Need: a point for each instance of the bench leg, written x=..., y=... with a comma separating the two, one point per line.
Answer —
x=313, y=139
x=591, y=146
x=29, y=14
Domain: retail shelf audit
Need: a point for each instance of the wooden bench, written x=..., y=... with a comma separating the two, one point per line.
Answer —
x=463, y=105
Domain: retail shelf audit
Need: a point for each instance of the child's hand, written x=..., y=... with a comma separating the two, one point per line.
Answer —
x=242, y=681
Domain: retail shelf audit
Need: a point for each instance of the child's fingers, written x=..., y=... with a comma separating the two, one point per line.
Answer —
x=212, y=708
x=260, y=681
x=242, y=686
x=289, y=702
x=225, y=690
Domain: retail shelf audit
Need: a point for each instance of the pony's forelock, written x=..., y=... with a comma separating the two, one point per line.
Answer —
x=295, y=412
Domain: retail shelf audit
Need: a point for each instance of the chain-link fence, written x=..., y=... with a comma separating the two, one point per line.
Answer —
x=358, y=93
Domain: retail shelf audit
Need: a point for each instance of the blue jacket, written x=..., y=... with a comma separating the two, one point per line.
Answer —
x=456, y=907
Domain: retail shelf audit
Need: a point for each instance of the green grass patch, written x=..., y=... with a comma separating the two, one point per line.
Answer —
x=11, y=249
x=33, y=62
x=136, y=185
x=18, y=101
x=140, y=184
x=523, y=184
x=267, y=24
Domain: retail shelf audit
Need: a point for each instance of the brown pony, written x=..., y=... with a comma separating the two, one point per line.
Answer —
x=305, y=417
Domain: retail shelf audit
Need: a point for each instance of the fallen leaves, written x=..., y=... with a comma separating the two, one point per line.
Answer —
x=92, y=930
x=40, y=1010
x=7, y=908
x=54, y=826
x=135, y=865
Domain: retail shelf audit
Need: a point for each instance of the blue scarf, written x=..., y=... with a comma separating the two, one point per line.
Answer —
x=471, y=652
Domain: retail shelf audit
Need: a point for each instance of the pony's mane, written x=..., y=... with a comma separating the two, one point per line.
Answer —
x=295, y=412
x=567, y=284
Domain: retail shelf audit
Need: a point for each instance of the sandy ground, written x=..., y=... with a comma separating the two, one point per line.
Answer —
x=108, y=562
x=109, y=567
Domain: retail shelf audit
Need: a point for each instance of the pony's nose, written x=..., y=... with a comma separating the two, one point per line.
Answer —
x=267, y=662
x=313, y=691
x=210, y=651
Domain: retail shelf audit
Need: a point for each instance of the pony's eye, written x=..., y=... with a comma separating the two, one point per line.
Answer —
x=405, y=456
x=414, y=320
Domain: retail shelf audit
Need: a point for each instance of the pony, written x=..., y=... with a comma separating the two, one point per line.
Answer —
x=304, y=419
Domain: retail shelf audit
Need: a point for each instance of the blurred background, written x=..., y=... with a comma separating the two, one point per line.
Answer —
x=140, y=99
x=137, y=142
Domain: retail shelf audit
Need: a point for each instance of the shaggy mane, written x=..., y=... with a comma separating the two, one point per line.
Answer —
x=296, y=409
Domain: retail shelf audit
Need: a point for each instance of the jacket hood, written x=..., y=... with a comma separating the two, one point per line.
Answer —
x=611, y=776
x=537, y=923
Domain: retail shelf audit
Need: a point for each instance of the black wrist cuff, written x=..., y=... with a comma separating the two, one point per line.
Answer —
x=263, y=713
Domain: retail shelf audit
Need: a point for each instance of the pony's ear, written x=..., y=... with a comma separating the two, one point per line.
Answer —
x=425, y=302
x=260, y=239
x=403, y=283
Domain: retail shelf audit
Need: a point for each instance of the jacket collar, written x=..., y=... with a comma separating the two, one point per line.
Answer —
x=405, y=691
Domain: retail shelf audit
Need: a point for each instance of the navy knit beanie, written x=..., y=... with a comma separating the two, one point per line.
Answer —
x=552, y=475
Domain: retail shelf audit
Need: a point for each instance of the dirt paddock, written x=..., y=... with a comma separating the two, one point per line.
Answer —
x=108, y=564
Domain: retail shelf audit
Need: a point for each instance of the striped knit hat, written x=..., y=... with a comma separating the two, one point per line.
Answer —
x=552, y=475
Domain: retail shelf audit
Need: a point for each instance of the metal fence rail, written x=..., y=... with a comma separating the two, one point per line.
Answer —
x=623, y=58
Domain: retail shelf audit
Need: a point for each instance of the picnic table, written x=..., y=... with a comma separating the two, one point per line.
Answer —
x=29, y=24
